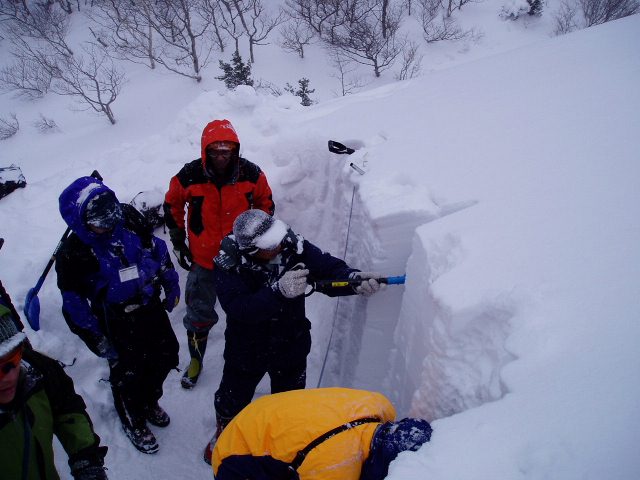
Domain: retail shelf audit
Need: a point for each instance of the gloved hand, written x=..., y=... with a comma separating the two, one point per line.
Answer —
x=89, y=467
x=229, y=255
x=369, y=284
x=180, y=249
x=293, y=283
x=105, y=349
x=171, y=299
x=90, y=473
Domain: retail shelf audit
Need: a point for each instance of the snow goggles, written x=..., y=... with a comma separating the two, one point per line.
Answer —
x=213, y=154
x=10, y=363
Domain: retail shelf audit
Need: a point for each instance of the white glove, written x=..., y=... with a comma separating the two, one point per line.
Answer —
x=369, y=284
x=293, y=283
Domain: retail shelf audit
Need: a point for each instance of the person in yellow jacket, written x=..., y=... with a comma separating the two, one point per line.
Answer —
x=316, y=434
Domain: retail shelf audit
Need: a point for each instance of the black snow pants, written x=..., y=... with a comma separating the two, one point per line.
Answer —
x=147, y=351
x=281, y=353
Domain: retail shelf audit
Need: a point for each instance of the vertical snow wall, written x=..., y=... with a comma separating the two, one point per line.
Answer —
x=430, y=357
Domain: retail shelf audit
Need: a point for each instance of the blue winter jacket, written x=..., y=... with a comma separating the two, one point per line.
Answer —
x=128, y=273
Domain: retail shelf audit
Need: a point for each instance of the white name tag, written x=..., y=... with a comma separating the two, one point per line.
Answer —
x=129, y=273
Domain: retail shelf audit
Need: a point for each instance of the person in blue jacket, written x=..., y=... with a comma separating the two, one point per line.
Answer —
x=261, y=275
x=111, y=271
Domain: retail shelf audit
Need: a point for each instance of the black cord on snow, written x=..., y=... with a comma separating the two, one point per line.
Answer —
x=335, y=312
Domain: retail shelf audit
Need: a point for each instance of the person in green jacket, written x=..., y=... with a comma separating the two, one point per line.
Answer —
x=38, y=401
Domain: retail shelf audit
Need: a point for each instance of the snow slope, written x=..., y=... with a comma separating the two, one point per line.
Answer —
x=505, y=187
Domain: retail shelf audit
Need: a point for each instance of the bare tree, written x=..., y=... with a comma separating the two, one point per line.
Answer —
x=453, y=5
x=214, y=15
x=295, y=36
x=596, y=12
x=576, y=14
x=344, y=68
x=92, y=79
x=231, y=22
x=438, y=25
x=125, y=28
x=411, y=62
x=565, y=18
x=25, y=77
x=322, y=16
x=408, y=6
x=361, y=40
x=9, y=126
x=185, y=47
x=255, y=22
x=66, y=6
x=38, y=22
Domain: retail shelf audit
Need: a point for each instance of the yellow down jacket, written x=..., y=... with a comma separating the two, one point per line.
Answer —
x=271, y=430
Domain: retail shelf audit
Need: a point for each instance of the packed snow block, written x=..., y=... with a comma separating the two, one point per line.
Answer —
x=449, y=356
x=149, y=203
x=11, y=178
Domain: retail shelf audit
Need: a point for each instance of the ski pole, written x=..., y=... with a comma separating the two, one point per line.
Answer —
x=32, y=302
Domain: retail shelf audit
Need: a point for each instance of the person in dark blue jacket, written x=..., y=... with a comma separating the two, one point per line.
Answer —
x=261, y=275
x=111, y=271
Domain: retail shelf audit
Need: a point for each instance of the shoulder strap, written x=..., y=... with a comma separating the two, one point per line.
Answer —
x=302, y=454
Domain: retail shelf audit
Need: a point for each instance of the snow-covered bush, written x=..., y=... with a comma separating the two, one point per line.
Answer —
x=514, y=9
x=46, y=125
x=9, y=126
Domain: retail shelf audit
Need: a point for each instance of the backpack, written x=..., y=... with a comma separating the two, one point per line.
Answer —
x=149, y=203
x=11, y=178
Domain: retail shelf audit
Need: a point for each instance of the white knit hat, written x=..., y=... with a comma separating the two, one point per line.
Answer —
x=10, y=337
x=257, y=229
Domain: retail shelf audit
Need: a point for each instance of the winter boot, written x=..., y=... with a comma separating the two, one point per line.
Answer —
x=157, y=416
x=221, y=423
x=141, y=437
x=134, y=425
x=197, y=347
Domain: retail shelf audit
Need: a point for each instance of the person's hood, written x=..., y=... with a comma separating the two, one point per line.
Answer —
x=390, y=439
x=218, y=131
x=73, y=203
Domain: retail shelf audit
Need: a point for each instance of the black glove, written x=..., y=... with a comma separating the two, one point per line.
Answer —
x=89, y=465
x=181, y=251
x=90, y=473
x=229, y=255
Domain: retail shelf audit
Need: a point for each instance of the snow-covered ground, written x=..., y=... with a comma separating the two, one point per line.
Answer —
x=504, y=182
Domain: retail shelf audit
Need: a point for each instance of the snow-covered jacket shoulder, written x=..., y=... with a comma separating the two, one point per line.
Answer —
x=266, y=436
x=212, y=210
x=46, y=404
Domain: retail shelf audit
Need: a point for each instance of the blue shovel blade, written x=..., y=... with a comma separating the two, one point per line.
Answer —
x=32, y=309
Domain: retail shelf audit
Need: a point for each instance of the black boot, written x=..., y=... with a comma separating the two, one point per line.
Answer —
x=157, y=416
x=134, y=426
x=197, y=347
x=221, y=423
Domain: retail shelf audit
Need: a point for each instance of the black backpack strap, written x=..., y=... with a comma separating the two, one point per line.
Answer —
x=302, y=454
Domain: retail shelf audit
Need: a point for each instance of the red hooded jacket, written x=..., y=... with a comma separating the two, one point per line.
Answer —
x=212, y=209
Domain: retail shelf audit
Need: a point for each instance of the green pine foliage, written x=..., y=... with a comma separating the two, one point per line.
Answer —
x=303, y=91
x=235, y=73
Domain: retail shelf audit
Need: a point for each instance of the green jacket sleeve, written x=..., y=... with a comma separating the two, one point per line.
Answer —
x=71, y=423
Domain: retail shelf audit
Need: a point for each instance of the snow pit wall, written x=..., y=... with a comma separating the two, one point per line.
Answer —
x=445, y=359
x=429, y=358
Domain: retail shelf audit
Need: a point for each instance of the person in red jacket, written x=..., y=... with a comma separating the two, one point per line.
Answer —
x=216, y=188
